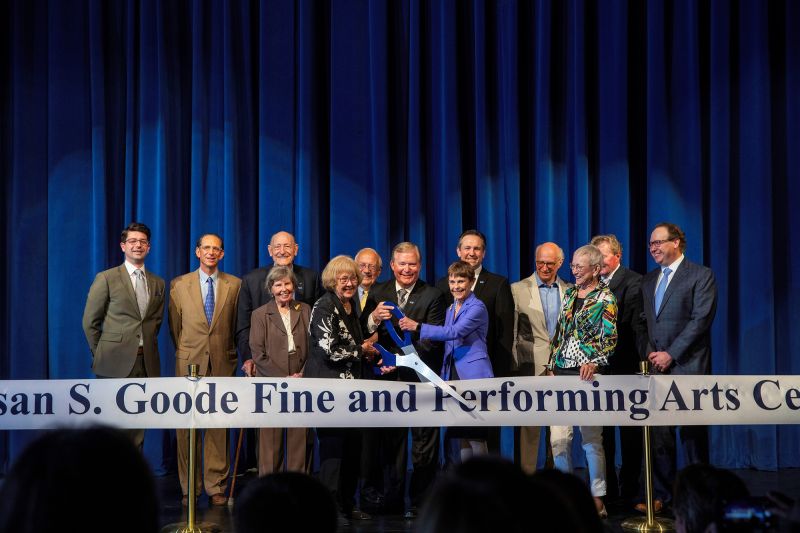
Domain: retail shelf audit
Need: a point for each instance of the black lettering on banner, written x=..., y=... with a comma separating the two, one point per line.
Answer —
x=79, y=397
x=504, y=392
x=359, y=403
x=674, y=396
x=573, y=397
x=759, y=399
x=638, y=397
x=407, y=400
x=732, y=395
x=121, y=397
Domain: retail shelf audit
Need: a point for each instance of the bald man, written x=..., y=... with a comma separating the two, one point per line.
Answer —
x=282, y=249
x=537, y=301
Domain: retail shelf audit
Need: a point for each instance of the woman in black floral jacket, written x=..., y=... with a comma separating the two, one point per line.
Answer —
x=338, y=350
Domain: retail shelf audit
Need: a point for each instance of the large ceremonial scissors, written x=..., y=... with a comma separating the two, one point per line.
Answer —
x=411, y=358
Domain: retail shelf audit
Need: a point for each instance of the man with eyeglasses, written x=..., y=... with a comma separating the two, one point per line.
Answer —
x=283, y=250
x=679, y=299
x=537, y=302
x=370, y=265
x=202, y=322
x=123, y=315
x=423, y=303
x=371, y=469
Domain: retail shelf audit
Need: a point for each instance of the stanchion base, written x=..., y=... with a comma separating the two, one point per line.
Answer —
x=639, y=523
x=199, y=527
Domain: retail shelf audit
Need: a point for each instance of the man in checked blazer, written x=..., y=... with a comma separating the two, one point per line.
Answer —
x=123, y=314
x=679, y=299
x=202, y=322
x=537, y=302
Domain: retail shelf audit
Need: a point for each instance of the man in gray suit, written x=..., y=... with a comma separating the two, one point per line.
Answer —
x=123, y=314
x=537, y=302
x=679, y=300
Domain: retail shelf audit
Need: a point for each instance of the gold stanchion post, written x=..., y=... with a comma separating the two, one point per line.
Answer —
x=649, y=522
x=191, y=526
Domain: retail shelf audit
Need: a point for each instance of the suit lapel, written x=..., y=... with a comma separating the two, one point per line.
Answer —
x=196, y=297
x=274, y=315
x=221, y=298
x=677, y=279
x=294, y=314
x=412, y=297
x=480, y=285
x=125, y=279
x=536, y=299
x=617, y=280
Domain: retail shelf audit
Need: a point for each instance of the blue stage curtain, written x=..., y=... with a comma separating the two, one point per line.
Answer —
x=358, y=123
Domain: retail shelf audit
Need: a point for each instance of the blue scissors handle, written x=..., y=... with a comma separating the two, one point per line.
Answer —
x=398, y=313
x=388, y=358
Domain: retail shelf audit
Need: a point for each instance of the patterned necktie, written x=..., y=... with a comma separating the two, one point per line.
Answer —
x=662, y=288
x=209, y=303
x=402, y=295
x=363, y=300
x=140, y=288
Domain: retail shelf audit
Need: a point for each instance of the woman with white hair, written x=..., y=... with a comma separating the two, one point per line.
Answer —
x=585, y=337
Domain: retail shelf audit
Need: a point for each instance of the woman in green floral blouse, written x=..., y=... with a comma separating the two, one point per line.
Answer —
x=585, y=337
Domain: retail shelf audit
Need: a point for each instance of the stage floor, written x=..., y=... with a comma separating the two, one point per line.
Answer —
x=759, y=482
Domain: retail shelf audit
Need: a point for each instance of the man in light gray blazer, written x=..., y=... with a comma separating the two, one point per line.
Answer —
x=537, y=301
x=679, y=300
x=123, y=314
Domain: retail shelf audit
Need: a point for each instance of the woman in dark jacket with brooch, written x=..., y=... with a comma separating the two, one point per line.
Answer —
x=339, y=351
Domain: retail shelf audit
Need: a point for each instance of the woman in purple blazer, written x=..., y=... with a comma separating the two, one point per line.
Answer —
x=465, y=353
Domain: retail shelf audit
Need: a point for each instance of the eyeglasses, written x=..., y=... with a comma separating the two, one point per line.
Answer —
x=548, y=264
x=370, y=268
x=132, y=242
x=657, y=244
x=579, y=268
x=342, y=280
x=209, y=248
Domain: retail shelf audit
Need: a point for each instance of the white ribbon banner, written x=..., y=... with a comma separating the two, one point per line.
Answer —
x=524, y=401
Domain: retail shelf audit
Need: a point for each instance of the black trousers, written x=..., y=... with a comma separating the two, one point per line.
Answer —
x=626, y=485
x=695, y=447
x=424, y=459
x=339, y=456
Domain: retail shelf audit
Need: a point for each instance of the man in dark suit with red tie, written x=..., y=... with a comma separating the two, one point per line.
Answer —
x=495, y=293
x=422, y=303
x=679, y=299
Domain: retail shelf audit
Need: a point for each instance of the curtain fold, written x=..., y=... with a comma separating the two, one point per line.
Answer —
x=353, y=124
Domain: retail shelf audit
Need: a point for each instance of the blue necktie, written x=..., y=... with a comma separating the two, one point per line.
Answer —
x=209, y=305
x=662, y=288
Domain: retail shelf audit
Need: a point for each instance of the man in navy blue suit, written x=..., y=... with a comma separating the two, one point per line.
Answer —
x=679, y=300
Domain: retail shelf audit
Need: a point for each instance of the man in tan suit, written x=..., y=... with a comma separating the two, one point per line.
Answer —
x=123, y=314
x=202, y=322
x=537, y=301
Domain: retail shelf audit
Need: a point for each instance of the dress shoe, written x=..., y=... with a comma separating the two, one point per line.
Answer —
x=355, y=514
x=658, y=506
x=218, y=499
x=601, y=508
